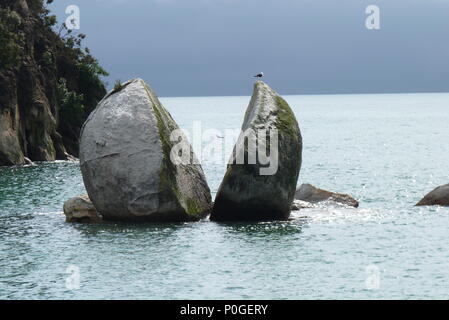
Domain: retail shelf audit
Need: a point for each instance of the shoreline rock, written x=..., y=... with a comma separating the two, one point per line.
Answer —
x=125, y=159
x=311, y=194
x=437, y=197
x=246, y=193
x=81, y=209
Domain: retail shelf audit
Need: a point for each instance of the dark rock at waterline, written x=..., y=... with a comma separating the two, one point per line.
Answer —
x=125, y=161
x=437, y=197
x=81, y=209
x=311, y=194
x=254, y=190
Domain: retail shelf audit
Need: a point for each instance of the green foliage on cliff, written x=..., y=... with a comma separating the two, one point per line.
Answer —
x=11, y=39
x=39, y=57
x=71, y=106
x=76, y=105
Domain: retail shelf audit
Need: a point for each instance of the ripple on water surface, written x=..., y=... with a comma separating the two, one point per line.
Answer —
x=354, y=144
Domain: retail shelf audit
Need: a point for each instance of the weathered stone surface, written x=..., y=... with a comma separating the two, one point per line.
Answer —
x=437, y=197
x=27, y=118
x=247, y=194
x=81, y=209
x=125, y=161
x=311, y=194
x=10, y=151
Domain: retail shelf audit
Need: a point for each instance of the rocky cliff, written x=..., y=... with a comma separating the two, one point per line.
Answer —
x=48, y=84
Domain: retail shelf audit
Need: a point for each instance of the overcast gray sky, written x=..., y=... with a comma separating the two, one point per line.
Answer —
x=213, y=47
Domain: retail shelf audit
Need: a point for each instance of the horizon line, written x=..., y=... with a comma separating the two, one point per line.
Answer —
x=312, y=94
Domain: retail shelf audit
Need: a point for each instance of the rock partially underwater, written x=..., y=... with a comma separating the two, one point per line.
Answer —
x=125, y=161
x=255, y=190
x=81, y=209
x=311, y=194
x=437, y=197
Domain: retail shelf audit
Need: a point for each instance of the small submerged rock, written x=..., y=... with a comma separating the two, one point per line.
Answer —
x=248, y=190
x=311, y=194
x=81, y=209
x=125, y=159
x=437, y=197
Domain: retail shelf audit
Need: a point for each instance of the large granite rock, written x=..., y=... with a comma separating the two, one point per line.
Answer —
x=81, y=209
x=438, y=197
x=254, y=190
x=126, y=165
x=311, y=194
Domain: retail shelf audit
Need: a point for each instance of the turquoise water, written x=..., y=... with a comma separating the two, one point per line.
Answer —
x=386, y=150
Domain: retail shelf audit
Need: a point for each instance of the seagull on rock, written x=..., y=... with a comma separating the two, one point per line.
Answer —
x=260, y=75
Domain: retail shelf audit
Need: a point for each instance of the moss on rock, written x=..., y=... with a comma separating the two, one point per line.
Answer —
x=126, y=163
x=170, y=171
x=245, y=193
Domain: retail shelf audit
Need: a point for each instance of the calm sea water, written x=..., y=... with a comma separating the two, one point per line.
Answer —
x=386, y=150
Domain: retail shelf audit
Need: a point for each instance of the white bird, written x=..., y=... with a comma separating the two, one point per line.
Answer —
x=260, y=75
